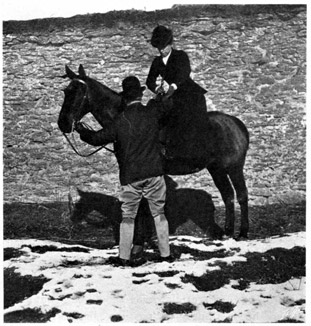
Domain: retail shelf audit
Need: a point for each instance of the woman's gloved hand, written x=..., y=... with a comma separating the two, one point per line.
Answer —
x=170, y=91
x=163, y=88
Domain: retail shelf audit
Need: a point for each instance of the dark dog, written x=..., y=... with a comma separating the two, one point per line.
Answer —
x=183, y=205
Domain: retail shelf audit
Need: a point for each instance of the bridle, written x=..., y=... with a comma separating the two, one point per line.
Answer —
x=71, y=143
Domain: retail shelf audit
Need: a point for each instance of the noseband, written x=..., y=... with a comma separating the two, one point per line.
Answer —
x=84, y=124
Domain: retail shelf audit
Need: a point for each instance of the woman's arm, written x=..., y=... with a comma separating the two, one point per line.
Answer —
x=182, y=68
x=153, y=75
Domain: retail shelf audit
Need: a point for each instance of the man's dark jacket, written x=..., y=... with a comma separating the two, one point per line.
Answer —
x=135, y=135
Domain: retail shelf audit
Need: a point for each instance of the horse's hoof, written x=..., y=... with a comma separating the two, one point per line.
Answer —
x=229, y=234
x=242, y=236
x=218, y=237
x=217, y=233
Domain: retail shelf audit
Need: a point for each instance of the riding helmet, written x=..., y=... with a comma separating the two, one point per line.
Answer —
x=161, y=37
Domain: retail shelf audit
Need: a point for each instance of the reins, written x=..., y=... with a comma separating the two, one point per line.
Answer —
x=85, y=125
x=85, y=155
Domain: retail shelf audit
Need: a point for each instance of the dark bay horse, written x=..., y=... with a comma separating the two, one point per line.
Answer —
x=227, y=141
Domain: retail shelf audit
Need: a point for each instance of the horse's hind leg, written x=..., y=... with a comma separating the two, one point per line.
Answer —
x=224, y=186
x=238, y=181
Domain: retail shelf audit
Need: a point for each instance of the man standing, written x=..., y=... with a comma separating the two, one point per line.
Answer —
x=135, y=134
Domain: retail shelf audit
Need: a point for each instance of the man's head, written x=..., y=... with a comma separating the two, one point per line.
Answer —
x=162, y=39
x=132, y=89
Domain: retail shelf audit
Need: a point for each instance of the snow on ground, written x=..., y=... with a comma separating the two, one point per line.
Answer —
x=82, y=285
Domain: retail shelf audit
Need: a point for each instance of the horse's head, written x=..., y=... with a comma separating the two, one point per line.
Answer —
x=84, y=95
x=75, y=104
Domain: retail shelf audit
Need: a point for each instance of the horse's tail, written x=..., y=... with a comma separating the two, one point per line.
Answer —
x=243, y=128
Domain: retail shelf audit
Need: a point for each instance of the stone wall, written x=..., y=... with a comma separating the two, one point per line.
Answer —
x=251, y=59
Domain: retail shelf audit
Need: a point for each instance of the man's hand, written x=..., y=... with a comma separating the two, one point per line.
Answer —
x=159, y=91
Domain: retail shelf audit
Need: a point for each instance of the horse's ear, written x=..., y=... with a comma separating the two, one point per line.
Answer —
x=82, y=73
x=70, y=73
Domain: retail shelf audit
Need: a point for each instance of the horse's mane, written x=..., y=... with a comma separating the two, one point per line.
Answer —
x=103, y=94
x=101, y=85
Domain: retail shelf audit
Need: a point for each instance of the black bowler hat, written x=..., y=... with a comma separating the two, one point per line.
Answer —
x=161, y=37
x=131, y=88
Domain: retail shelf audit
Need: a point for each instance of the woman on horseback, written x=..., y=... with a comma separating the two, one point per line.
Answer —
x=189, y=105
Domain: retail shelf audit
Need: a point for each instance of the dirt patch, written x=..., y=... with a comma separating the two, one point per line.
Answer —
x=74, y=315
x=220, y=306
x=274, y=266
x=116, y=318
x=44, y=249
x=30, y=316
x=9, y=253
x=17, y=287
x=175, y=308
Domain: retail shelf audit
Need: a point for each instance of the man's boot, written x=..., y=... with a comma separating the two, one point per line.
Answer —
x=162, y=230
x=126, y=238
